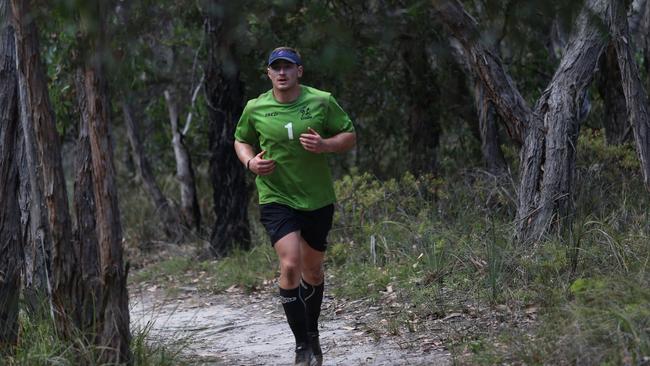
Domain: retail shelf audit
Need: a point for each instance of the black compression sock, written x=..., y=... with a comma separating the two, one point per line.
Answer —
x=313, y=298
x=294, y=309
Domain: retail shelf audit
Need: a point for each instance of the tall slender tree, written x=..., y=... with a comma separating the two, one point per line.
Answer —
x=189, y=205
x=225, y=99
x=10, y=232
x=169, y=218
x=85, y=232
x=113, y=333
x=423, y=114
x=636, y=97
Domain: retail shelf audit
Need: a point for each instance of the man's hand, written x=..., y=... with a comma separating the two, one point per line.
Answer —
x=313, y=142
x=261, y=166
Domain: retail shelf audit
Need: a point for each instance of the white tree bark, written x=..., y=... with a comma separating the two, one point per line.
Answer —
x=184, y=173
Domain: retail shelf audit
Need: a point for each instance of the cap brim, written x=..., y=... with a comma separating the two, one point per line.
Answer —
x=282, y=58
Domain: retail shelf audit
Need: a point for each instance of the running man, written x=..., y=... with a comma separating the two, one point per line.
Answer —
x=294, y=126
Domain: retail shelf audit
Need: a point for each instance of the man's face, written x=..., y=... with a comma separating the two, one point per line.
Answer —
x=284, y=75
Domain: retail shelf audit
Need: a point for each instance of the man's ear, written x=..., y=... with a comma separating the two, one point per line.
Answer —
x=300, y=71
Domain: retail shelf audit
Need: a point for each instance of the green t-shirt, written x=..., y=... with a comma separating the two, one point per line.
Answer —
x=301, y=179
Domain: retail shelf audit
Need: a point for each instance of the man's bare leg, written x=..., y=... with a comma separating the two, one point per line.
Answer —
x=288, y=249
x=311, y=291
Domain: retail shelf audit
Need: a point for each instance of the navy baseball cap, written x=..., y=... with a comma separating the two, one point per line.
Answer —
x=284, y=54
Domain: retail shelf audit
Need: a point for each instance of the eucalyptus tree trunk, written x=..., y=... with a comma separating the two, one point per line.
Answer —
x=113, y=333
x=423, y=123
x=190, y=212
x=168, y=217
x=85, y=232
x=40, y=132
x=636, y=97
x=617, y=128
x=549, y=131
x=487, y=119
x=488, y=132
x=37, y=288
x=224, y=99
x=10, y=229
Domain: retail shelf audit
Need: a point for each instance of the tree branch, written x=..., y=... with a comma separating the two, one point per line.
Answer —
x=486, y=66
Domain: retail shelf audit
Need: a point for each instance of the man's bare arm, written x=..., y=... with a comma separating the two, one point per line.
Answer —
x=255, y=163
x=338, y=143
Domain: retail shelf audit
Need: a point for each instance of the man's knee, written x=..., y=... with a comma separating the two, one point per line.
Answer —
x=313, y=275
x=291, y=269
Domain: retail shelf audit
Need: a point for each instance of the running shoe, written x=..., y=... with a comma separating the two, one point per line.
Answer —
x=314, y=343
x=304, y=356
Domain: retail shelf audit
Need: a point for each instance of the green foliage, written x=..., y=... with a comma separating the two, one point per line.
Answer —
x=437, y=247
x=38, y=345
x=246, y=269
x=416, y=232
x=606, y=322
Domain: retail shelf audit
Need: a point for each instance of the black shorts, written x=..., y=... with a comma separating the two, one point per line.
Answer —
x=280, y=220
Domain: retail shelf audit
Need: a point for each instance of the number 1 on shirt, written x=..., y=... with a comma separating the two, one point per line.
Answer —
x=289, y=127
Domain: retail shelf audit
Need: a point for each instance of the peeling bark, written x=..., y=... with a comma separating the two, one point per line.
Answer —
x=41, y=136
x=559, y=108
x=114, y=311
x=10, y=230
x=486, y=114
x=85, y=232
x=35, y=235
x=487, y=66
x=168, y=217
x=113, y=334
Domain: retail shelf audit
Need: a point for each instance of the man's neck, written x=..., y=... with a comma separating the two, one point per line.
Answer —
x=287, y=96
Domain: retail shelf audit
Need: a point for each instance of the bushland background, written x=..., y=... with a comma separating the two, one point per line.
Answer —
x=500, y=174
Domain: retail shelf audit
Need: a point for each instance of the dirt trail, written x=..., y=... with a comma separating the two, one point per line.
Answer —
x=238, y=329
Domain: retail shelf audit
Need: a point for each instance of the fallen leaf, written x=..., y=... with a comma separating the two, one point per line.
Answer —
x=452, y=315
x=532, y=309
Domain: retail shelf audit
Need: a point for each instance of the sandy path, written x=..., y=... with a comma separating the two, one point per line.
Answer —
x=237, y=329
